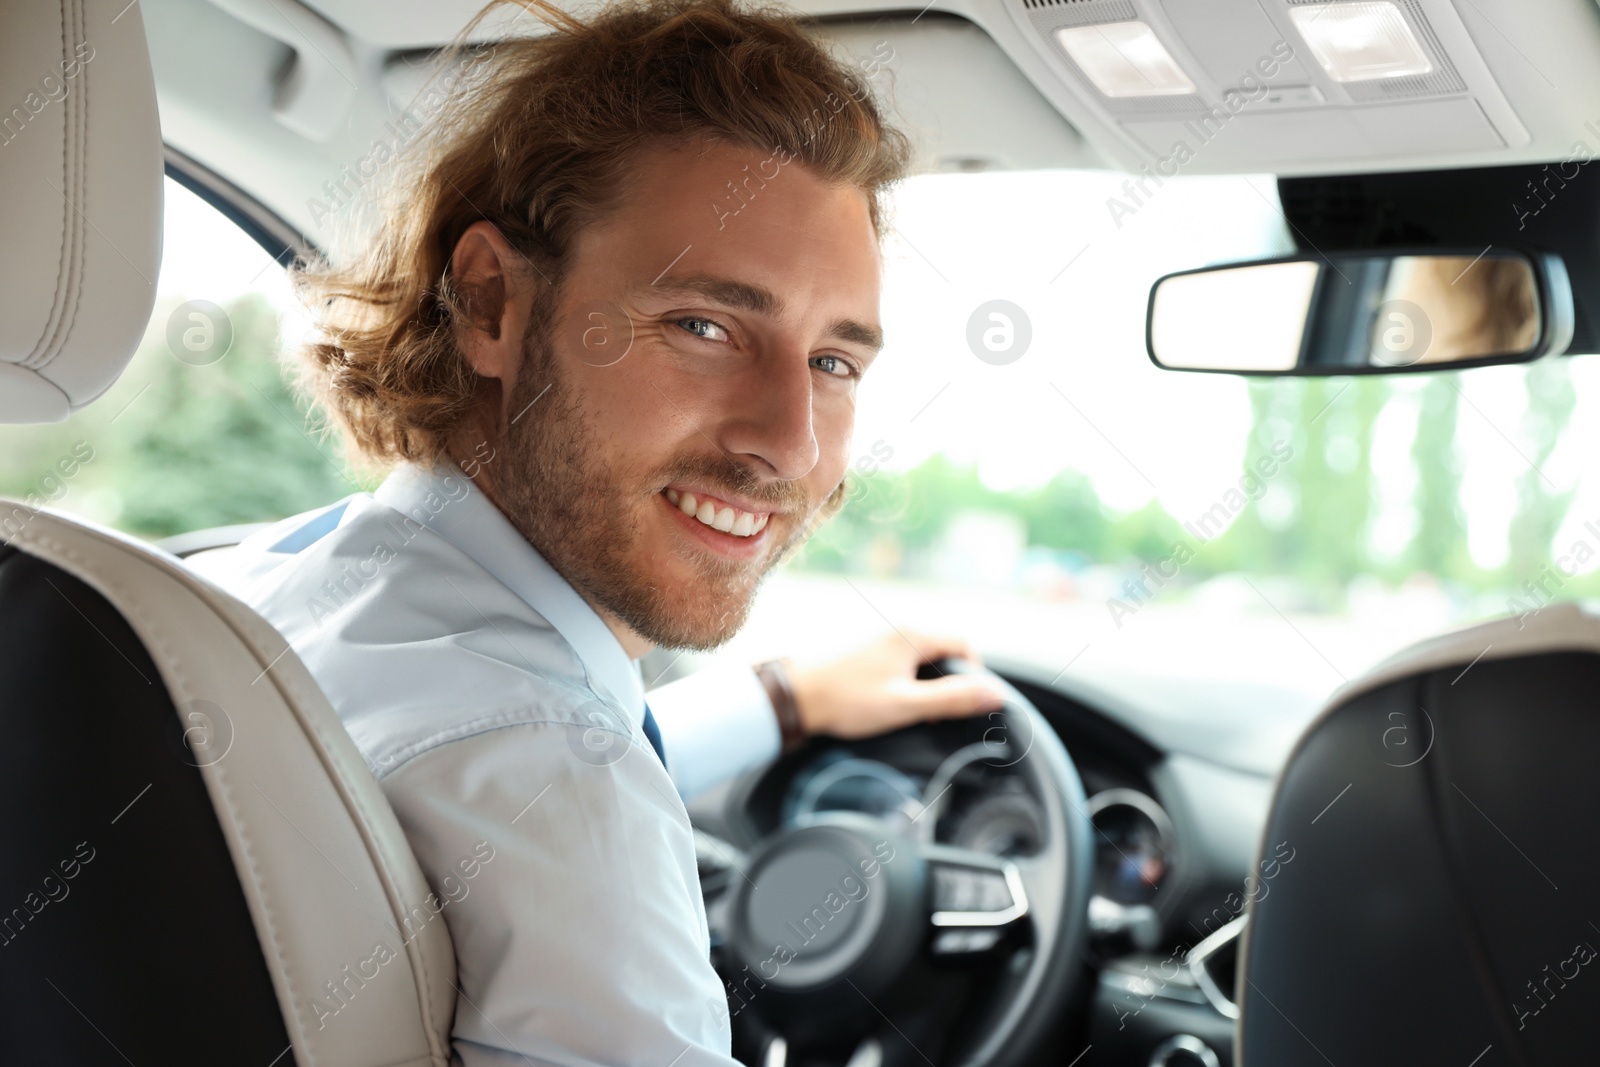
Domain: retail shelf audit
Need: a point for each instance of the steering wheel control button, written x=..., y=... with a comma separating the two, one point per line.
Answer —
x=973, y=890
x=967, y=889
x=957, y=942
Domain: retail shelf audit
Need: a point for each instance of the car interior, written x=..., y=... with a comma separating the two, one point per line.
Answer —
x=1340, y=846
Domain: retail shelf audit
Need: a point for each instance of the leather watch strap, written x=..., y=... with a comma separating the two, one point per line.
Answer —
x=774, y=675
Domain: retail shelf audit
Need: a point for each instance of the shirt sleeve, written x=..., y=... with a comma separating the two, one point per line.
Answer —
x=715, y=724
x=565, y=871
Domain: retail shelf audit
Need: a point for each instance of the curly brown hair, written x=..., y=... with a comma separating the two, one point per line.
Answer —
x=537, y=136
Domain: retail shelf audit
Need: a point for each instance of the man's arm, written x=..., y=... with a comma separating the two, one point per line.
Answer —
x=719, y=722
x=581, y=940
x=715, y=724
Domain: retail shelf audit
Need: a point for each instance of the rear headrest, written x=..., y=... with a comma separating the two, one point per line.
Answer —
x=80, y=162
x=1440, y=816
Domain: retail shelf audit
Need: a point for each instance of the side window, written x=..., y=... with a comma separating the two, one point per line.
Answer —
x=201, y=429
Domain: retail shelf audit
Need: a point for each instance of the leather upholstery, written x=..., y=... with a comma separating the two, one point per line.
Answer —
x=260, y=904
x=118, y=883
x=1441, y=903
x=80, y=162
x=323, y=865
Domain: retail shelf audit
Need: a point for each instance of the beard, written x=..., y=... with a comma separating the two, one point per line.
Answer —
x=587, y=516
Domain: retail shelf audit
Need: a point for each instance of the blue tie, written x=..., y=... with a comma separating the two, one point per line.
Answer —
x=652, y=734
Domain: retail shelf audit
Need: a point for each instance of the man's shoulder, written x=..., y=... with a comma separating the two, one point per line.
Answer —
x=414, y=644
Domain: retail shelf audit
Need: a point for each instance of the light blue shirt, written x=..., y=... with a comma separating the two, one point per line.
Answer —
x=493, y=704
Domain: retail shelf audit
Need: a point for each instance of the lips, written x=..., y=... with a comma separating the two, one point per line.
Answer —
x=718, y=514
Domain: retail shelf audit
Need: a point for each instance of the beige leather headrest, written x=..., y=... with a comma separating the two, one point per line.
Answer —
x=80, y=167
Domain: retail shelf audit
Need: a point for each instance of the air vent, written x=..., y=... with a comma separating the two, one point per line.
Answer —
x=1214, y=963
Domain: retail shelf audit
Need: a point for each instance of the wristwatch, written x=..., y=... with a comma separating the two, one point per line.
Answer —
x=774, y=675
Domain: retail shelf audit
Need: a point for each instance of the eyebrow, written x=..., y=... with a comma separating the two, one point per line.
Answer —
x=759, y=300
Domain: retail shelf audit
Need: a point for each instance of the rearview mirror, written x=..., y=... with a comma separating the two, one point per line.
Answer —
x=1362, y=313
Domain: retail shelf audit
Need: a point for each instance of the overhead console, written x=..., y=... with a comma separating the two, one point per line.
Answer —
x=1206, y=86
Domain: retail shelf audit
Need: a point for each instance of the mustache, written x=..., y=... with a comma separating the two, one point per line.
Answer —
x=739, y=480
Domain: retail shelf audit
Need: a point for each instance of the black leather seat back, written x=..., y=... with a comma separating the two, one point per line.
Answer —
x=1443, y=903
x=152, y=911
x=124, y=933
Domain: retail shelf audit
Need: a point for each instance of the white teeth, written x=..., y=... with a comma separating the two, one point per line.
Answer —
x=724, y=518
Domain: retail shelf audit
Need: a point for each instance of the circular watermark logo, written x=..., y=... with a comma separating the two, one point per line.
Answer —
x=1402, y=738
x=1401, y=334
x=203, y=733
x=887, y=502
x=605, y=333
x=999, y=332
x=199, y=332
x=1006, y=748
x=603, y=735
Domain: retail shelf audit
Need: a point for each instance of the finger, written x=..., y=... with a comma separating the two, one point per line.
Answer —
x=953, y=696
x=940, y=646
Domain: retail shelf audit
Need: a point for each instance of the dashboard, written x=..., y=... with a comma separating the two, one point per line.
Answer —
x=967, y=801
x=1177, y=827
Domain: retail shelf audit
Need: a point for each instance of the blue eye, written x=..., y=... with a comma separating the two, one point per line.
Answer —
x=703, y=328
x=833, y=366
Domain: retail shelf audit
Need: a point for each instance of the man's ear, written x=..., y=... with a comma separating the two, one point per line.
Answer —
x=493, y=281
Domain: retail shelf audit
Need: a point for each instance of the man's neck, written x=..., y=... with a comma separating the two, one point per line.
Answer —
x=633, y=644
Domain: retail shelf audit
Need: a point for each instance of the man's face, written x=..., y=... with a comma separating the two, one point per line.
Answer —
x=693, y=397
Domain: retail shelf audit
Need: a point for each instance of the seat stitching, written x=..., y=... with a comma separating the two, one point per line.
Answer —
x=81, y=120
x=42, y=350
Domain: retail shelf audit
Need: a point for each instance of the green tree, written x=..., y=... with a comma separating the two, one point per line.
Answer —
x=1438, y=543
x=1327, y=427
x=1252, y=544
x=1540, y=507
x=178, y=447
x=1066, y=513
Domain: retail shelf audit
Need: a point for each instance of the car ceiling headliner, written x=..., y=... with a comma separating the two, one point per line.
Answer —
x=972, y=81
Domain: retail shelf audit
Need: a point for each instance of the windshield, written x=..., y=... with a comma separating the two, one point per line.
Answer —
x=1021, y=473
x=1065, y=501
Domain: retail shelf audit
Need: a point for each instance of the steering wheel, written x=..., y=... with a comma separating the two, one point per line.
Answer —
x=833, y=925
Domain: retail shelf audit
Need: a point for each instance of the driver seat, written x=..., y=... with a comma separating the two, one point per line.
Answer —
x=196, y=865
x=1442, y=903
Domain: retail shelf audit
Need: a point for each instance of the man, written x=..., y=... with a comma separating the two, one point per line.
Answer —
x=610, y=334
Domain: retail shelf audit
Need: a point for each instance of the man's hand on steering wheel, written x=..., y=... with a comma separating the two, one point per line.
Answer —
x=875, y=689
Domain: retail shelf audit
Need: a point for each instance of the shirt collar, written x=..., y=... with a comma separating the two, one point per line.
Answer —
x=446, y=502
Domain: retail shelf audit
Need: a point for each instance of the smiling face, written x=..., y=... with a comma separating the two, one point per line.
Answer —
x=693, y=396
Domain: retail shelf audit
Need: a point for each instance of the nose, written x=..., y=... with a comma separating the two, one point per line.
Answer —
x=769, y=424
